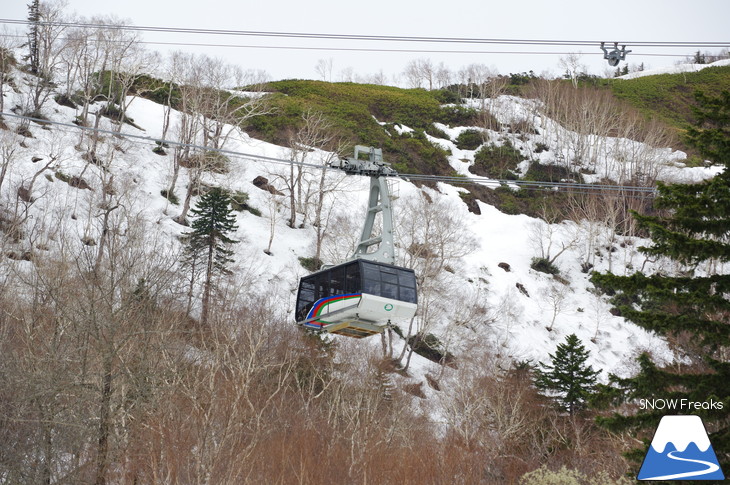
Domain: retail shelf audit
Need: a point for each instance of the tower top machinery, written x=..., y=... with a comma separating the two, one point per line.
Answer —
x=616, y=55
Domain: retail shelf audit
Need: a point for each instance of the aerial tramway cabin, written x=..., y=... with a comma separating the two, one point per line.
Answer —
x=358, y=298
x=365, y=294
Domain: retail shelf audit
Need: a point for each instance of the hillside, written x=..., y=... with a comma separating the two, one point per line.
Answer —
x=382, y=115
x=434, y=132
x=100, y=308
x=366, y=114
x=670, y=96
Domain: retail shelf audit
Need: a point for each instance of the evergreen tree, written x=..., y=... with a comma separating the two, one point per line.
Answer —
x=693, y=307
x=568, y=376
x=34, y=16
x=208, y=243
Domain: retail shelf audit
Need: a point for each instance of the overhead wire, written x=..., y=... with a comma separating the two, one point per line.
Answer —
x=384, y=38
x=359, y=37
x=372, y=37
x=365, y=49
x=573, y=187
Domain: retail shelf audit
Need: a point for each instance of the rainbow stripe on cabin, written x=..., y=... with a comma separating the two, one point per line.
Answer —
x=323, y=304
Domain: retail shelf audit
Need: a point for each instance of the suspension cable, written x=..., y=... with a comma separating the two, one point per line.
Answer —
x=370, y=37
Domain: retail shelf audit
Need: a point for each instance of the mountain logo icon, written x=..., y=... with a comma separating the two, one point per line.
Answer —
x=680, y=450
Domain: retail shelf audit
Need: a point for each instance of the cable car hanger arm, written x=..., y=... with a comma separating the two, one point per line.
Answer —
x=379, y=202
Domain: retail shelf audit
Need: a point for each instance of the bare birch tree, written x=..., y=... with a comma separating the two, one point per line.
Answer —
x=420, y=73
x=432, y=237
x=324, y=69
x=211, y=111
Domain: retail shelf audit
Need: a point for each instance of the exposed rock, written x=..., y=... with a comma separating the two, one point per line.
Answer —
x=263, y=184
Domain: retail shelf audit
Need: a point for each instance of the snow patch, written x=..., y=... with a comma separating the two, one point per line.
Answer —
x=675, y=69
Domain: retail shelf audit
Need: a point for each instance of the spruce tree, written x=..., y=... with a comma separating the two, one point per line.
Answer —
x=208, y=242
x=691, y=307
x=34, y=17
x=569, y=377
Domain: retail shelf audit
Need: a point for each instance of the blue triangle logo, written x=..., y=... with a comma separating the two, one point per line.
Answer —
x=680, y=450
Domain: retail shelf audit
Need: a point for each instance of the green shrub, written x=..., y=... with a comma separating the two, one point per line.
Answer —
x=170, y=196
x=253, y=210
x=544, y=265
x=509, y=206
x=550, y=173
x=469, y=140
x=446, y=96
x=457, y=116
x=68, y=101
x=114, y=112
x=436, y=132
x=239, y=202
x=157, y=90
x=73, y=180
x=398, y=331
x=413, y=153
x=694, y=161
x=670, y=97
x=310, y=264
x=518, y=81
x=471, y=202
x=497, y=161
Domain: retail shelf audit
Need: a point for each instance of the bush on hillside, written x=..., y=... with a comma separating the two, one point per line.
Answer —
x=436, y=132
x=239, y=202
x=310, y=264
x=469, y=139
x=413, y=153
x=539, y=172
x=447, y=96
x=457, y=116
x=497, y=161
x=69, y=101
x=544, y=265
x=170, y=196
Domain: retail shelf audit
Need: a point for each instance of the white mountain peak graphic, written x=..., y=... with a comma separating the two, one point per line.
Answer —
x=681, y=431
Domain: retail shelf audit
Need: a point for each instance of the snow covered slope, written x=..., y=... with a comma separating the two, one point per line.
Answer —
x=521, y=312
